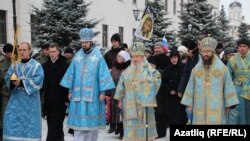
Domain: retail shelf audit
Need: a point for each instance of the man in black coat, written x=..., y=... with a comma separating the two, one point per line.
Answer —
x=55, y=96
x=162, y=61
x=110, y=56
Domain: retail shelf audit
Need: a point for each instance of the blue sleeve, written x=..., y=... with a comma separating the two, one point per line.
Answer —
x=35, y=83
x=230, y=96
x=105, y=79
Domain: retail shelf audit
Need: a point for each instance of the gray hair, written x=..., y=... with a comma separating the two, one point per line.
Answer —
x=26, y=43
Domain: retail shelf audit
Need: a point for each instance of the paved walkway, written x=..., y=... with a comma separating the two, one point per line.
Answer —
x=103, y=136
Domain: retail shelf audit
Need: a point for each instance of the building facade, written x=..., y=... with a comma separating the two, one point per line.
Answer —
x=116, y=17
x=6, y=21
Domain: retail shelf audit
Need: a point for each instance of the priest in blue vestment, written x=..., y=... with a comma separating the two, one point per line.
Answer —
x=239, y=66
x=22, y=118
x=210, y=94
x=87, y=79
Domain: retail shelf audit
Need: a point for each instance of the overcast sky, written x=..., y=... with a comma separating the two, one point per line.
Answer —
x=245, y=6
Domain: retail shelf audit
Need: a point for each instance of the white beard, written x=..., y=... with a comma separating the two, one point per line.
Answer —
x=137, y=67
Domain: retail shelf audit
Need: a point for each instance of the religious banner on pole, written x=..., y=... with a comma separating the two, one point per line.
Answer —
x=145, y=28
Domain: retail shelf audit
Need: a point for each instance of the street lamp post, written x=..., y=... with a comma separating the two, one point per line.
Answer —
x=136, y=13
x=201, y=27
x=189, y=27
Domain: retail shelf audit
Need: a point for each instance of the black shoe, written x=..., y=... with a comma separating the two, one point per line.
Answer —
x=121, y=136
x=117, y=132
x=71, y=131
x=111, y=131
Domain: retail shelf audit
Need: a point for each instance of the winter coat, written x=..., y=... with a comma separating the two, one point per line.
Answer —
x=110, y=56
x=116, y=72
x=162, y=62
x=175, y=111
x=55, y=95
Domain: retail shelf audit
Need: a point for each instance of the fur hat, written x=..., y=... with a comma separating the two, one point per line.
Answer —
x=243, y=41
x=7, y=48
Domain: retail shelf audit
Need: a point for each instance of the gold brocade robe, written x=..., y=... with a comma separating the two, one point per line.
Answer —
x=137, y=90
x=209, y=92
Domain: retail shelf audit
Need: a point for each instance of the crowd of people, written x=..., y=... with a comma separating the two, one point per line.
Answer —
x=137, y=91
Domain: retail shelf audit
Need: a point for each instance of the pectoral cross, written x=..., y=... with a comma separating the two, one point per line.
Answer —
x=207, y=83
x=134, y=83
x=134, y=80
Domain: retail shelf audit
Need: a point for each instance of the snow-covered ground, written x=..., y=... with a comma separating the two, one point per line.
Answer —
x=103, y=136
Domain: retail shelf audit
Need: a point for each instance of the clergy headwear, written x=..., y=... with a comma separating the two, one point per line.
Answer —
x=137, y=48
x=209, y=43
x=86, y=34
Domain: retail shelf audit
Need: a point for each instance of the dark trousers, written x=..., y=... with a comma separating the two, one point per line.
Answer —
x=1, y=136
x=55, y=126
x=161, y=124
x=120, y=129
x=1, y=116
